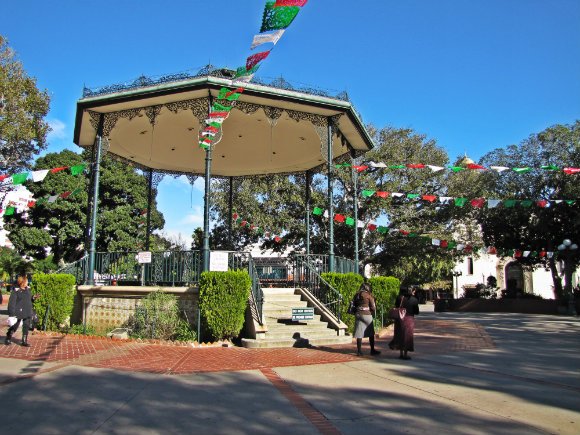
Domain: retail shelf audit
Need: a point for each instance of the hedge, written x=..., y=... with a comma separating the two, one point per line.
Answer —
x=56, y=290
x=385, y=291
x=347, y=284
x=223, y=298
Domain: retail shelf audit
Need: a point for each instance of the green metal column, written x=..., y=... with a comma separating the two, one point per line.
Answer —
x=149, y=201
x=231, y=211
x=355, y=211
x=307, y=208
x=206, y=203
x=330, y=207
x=95, y=204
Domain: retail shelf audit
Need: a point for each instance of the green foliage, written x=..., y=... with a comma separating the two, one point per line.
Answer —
x=223, y=298
x=347, y=284
x=158, y=316
x=56, y=291
x=385, y=291
x=23, y=129
x=46, y=265
x=535, y=229
x=10, y=263
x=81, y=330
x=61, y=225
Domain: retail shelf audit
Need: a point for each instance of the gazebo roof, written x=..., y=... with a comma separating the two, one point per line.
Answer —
x=156, y=124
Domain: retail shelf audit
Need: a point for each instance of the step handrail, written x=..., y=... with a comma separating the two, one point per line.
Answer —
x=325, y=293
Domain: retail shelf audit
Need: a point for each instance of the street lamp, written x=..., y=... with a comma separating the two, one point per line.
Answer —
x=456, y=274
x=568, y=249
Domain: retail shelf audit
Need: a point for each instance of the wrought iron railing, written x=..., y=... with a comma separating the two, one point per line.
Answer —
x=307, y=274
x=77, y=268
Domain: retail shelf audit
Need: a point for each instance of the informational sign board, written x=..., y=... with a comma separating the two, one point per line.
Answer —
x=306, y=313
x=218, y=261
x=144, y=257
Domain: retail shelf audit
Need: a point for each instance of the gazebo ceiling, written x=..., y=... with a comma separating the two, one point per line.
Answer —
x=269, y=130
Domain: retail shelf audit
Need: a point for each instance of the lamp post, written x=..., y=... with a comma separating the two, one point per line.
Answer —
x=568, y=250
x=456, y=274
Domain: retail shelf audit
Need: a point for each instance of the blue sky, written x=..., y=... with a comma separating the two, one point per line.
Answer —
x=472, y=74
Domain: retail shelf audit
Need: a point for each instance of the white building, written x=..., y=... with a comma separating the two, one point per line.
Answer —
x=509, y=274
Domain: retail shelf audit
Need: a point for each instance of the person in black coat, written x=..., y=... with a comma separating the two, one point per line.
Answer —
x=20, y=306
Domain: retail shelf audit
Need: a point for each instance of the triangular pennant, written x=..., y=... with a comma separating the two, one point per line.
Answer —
x=264, y=38
x=317, y=211
x=457, y=168
x=52, y=198
x=65, y=195
x=77, y=169
x=277, y=17
x=382, y=229
x=522, y=170
x=460, y=202
x=478, y=202
x=19, y=178
x=244, y=72
x=368, y=193
x=55, y=170
x=9, y=211
x=217, y=107
x=430, y=198
x=415, y=165
x=38, y=176
x=493, y=203
x=474, y=166
x=382, y=194
x=349, y=221
x=372, y=227
x=542, y=203
x=526, y=203
x=339, y=218
x=571, y=171
x=509, y=203
x=435, y=168
x=413, y=195
x=377, y=165
x=499, y=168
x=255, y=59
x=397, y=166
x=550, y=168
x=290, y=3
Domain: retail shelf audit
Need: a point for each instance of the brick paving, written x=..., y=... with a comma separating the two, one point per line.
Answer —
x=431, y=337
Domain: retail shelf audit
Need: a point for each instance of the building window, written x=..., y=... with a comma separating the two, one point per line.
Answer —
x=470, y=265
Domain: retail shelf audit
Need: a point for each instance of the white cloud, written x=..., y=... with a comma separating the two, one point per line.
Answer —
x=193, y=219
x=58, y=129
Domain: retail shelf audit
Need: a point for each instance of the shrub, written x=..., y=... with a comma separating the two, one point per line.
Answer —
x=158, y=316
x=223, y=297
x=385, y=291
x=82, y=330
x=347, y=284
x=56, y=291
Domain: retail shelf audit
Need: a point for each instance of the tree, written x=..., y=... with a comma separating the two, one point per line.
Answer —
x=59, y=227
x=23, y=107
x=536, y=229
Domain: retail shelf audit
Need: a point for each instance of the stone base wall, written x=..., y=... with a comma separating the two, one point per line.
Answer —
x=526, y=306
x=105, y=309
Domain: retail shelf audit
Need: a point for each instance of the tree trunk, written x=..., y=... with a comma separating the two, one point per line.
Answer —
x=558, y=291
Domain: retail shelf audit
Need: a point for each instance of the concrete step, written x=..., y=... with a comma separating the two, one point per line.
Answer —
x=278, y=291
x=281, y=297
x=306, y=333
x=273, y=317
x=304, y=324
x=268, y=304
x=299, y=342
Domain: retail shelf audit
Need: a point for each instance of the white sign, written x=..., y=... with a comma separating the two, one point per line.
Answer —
x=144, y=257
x=218, y=261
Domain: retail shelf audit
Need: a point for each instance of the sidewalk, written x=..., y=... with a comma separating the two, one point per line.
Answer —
x=471, y=374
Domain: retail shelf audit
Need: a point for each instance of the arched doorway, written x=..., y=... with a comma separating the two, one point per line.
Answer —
x=514, y=279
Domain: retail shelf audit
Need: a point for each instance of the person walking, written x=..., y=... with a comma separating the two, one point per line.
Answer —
x=20, y=307
x=365, y=310
x=403, y=338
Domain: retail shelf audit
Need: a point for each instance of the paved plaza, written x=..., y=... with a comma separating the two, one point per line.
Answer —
x=474, y=373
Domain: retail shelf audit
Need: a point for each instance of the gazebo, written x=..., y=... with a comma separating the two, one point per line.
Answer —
x=275, y=128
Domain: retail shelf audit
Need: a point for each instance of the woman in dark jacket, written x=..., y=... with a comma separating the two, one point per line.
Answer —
x=405, y=329
x=365, y=310
x=20, y=306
